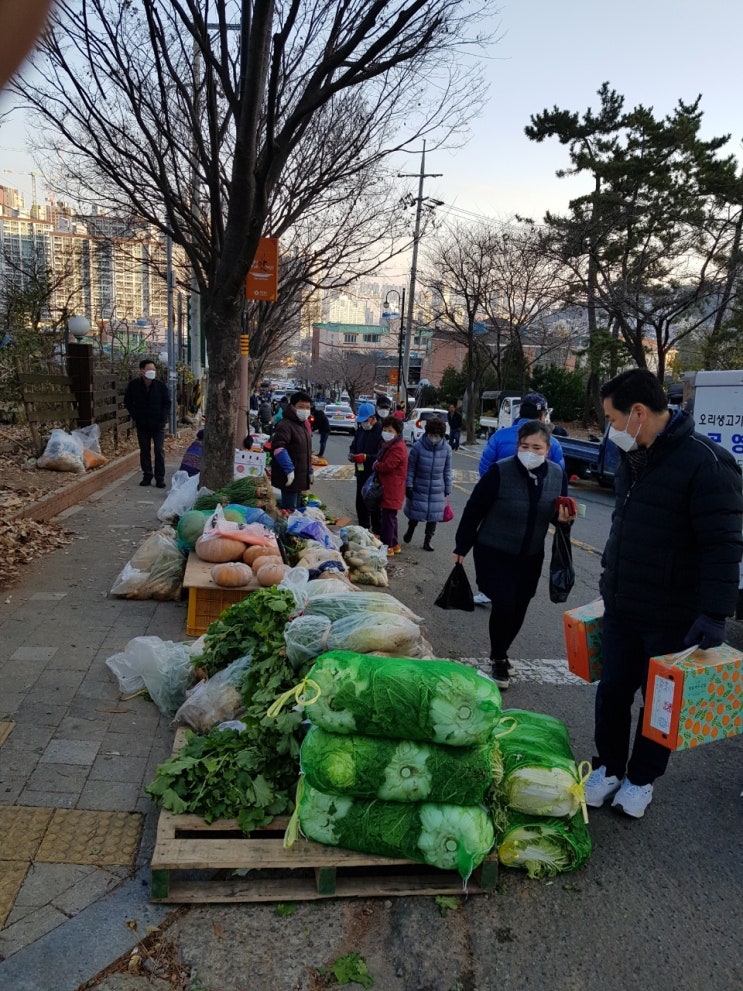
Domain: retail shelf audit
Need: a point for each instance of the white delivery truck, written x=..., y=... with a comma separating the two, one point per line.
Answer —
x=718, y=414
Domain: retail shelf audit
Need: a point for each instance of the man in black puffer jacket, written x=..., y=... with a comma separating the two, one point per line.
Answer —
x=670, y=571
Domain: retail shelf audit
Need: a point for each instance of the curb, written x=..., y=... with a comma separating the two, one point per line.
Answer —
x=57, y=502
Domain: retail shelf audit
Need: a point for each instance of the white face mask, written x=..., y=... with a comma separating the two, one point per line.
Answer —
x=530, y=460
x=388, y=435
x=435, y=440
x=625, y=441
x=367, y=425
x=303, y=414
x=382, y=413
x=150, y=374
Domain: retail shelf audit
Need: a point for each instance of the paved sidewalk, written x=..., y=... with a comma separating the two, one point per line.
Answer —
x=77, y=829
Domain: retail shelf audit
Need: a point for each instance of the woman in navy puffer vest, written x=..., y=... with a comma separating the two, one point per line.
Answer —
x=428, y=484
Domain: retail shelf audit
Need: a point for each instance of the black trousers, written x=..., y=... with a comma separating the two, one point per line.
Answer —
x=510, y=581
x=626, y=656
x=147, y=440
x=369, y=521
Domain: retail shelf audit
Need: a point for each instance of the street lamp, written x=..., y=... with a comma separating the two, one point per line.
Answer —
x=79, y=327
x=388, y=315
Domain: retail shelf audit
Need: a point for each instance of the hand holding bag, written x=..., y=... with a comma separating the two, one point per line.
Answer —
x=456, y=593
x=371, y=492
x=562, y=572
x=448, y=514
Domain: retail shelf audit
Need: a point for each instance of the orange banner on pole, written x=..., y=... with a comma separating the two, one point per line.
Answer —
x=262, y=281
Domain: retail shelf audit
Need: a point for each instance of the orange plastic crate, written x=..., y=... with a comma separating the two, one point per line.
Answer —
x=207, y=604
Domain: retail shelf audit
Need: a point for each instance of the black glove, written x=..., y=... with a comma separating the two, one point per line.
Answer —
x=408, y=493
x=707, y=631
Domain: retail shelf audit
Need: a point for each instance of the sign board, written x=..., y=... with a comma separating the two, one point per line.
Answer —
x=718, y=409
x=262, y=281
x=250, y=464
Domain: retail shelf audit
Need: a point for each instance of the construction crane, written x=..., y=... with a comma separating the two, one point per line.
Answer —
x=33, y=182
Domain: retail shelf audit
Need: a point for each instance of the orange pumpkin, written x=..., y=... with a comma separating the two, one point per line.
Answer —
x=231, y=574
x=270, y=573
x=254, y=551
x=216, y=550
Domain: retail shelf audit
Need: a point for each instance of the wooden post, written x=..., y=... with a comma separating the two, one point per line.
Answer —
x=80, y=370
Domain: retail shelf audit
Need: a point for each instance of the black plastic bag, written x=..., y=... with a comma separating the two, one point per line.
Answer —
x=562, y=572
x=456, y=593
x=371, y=492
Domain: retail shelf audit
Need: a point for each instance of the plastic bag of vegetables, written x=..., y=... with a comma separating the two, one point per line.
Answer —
x=540, y=775
x=452, y=837
x=364, y=601
x=364, y=633
x=359, y=536
x=544, y=846
x=403, y=699
x=398, y=770
x=367, y=565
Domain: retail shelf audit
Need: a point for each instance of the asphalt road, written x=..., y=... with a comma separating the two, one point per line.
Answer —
x=656, y=907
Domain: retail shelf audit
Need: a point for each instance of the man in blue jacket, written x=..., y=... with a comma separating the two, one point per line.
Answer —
x=504, y=444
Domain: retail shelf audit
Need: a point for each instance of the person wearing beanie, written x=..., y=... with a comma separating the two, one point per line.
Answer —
x=362, y=454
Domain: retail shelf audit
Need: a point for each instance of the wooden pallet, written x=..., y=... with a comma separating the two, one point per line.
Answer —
x=196, y=863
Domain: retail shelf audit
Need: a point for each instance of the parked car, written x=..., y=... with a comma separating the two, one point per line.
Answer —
x=415, y=425
x=341, y=417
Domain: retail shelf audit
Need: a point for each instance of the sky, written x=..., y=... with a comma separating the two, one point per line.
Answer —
x=556, y=52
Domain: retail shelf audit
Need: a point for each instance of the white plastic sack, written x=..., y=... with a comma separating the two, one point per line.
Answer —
x=89, y=437
x=63, y=452
x=184, y=489
x=162, y=667
x=155, y=570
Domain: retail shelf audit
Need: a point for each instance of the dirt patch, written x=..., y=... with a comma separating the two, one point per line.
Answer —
x=23, y=541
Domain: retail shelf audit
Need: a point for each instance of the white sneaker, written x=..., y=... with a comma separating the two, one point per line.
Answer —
x=480, y=599
x=633, y=799
x=599, y=787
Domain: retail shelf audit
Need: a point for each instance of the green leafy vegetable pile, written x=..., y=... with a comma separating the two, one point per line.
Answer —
x=255, y=492
x=251, y=775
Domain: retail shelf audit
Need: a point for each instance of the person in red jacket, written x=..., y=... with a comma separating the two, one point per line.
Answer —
x=392, y=468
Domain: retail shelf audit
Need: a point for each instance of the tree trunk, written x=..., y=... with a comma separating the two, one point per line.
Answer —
x=222, y=331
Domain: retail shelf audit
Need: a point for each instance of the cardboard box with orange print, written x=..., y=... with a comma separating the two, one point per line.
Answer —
x=694, y=697
x=583, y=629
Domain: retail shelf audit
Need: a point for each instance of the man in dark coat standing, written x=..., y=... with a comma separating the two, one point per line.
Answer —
x=291, y=451
x=454, y=418
x=148, y=402
x=670, y=571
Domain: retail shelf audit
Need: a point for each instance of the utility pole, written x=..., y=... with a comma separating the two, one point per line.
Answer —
x=414, y=266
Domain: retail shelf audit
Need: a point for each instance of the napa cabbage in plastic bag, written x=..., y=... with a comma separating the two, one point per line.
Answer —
x=544, y=846
x=364, y=633
x=452, y=837
x=365, y=601
x=397, y=770
x=540, y=775
x=402, y=699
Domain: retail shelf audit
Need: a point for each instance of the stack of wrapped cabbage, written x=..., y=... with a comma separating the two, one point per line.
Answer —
x=400, y=758
x=544, y=831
